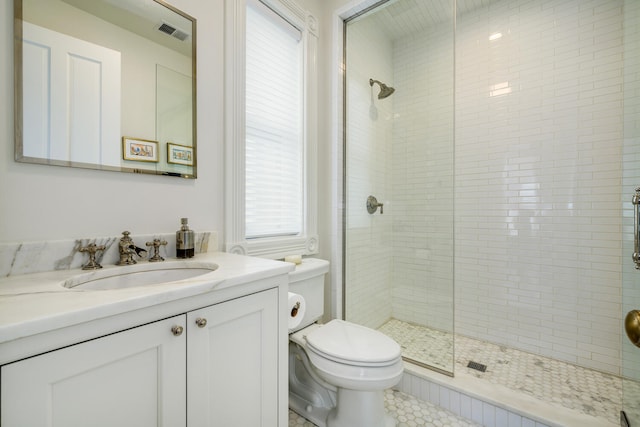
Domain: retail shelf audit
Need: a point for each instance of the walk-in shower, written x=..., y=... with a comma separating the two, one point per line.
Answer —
x=505, y=160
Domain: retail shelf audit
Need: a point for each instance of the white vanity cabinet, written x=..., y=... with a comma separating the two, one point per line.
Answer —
x=216, y=367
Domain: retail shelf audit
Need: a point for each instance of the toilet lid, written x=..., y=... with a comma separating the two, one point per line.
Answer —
x=353, y=344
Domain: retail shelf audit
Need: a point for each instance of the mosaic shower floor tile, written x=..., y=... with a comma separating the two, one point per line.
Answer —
x=549, y=380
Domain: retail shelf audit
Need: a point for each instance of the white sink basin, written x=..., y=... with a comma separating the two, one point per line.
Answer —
x=138, y=275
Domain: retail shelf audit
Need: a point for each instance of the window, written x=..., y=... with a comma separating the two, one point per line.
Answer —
x=271, y=136
x=273, y=125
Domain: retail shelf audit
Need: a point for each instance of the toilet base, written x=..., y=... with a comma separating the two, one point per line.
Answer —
x=360, y=409
x=317, y=415
x=308, y=397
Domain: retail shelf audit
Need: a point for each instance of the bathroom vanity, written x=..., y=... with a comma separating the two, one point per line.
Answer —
x=204, y=351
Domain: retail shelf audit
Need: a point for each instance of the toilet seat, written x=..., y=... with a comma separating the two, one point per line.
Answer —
x=355, y=345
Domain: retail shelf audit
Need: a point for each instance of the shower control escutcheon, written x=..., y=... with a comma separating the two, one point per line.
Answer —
x=372, y=205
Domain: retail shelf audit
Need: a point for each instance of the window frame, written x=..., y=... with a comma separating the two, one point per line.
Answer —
x=306, y=243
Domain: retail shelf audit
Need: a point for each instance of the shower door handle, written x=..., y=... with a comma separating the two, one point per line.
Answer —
x=636, y=228
x=632, y=326
x=372, y=205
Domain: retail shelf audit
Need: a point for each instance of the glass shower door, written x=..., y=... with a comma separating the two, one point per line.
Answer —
x=399, y=176
x=631, y=180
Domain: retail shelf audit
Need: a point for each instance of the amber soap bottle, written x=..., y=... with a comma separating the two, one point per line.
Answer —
x=185, y=241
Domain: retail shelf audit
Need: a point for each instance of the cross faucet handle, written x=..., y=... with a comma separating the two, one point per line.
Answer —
x=156, y=249
x=92, y=249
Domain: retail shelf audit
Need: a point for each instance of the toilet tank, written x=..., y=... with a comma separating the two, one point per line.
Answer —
x=308, y=280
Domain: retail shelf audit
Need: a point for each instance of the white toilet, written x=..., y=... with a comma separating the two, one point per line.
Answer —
x=337, y=371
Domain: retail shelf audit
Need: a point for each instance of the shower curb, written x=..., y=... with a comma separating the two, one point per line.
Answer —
x=487, y=404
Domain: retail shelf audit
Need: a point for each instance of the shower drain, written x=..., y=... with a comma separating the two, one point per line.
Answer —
x=477, y=366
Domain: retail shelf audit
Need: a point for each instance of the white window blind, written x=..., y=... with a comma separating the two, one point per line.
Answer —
x=274, y=174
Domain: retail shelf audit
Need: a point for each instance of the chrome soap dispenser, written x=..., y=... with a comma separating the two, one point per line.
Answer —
x=185, y=241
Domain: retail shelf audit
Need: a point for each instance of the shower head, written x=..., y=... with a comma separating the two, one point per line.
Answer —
x=385, y=90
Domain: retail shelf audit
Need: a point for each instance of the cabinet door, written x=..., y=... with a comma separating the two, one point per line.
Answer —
x=133, y=378
x=232, y=361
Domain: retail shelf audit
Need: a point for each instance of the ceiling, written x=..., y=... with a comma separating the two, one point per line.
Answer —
x=142, y=17
x=399, y=18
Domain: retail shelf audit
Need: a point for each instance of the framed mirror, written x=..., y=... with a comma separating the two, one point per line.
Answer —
x=106, y=84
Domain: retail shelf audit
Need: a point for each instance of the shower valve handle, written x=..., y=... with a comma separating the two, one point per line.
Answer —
x=372, y=205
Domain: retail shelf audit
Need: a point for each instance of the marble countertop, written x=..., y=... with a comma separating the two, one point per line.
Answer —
x=32, y=304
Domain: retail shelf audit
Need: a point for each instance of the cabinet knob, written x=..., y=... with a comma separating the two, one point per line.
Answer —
x=201, y=322
x=177, y=330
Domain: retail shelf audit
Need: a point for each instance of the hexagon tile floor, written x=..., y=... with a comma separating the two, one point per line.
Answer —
x=409, y=411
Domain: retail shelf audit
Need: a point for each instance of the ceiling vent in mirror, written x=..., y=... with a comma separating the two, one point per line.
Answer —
x=173, y=31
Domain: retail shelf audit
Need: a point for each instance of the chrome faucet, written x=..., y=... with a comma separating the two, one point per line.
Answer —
x=128, y=249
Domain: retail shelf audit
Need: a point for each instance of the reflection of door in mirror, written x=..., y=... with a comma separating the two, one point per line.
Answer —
x=72, y=101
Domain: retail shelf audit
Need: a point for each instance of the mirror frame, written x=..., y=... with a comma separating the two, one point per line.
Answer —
x=19, y=114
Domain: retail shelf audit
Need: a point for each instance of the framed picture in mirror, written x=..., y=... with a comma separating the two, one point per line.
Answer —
x=179, y=154
x=141, y=150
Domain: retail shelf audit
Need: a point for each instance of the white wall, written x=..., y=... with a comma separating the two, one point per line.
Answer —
x=40, y=202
